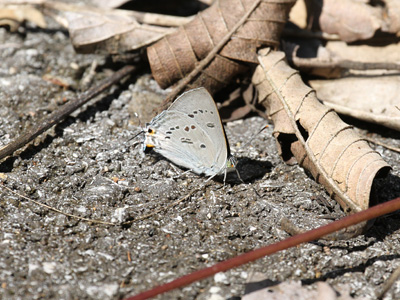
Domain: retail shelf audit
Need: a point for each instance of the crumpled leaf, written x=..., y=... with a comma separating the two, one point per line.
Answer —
x=108, y=31
x=178, y=54
x=13, y=15
x=354, y=20
x=350, y=19
x=315, y=136
x=347, y=93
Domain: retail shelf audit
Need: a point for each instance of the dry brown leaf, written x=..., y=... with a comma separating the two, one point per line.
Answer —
x=13, y=15
x=347, y=95
x=351, y=20
x=391, y=16
x=109, y=31
x=312, y=133
x=371, y=99
x=178, y=54
x=354, y=20
x=335, y=59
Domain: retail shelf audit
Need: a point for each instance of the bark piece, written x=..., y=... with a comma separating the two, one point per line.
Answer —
x=312, y=133
x=178, y=54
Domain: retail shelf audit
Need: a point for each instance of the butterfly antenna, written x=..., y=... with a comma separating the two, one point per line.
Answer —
x=141, y=128
x=140, y=132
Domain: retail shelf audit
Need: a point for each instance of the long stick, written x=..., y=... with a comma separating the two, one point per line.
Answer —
x=308, y=236
x=64, y=111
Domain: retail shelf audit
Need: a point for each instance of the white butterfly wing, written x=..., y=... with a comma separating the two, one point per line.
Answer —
x=190, y=134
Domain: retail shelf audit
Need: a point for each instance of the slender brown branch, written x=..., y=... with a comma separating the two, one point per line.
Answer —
x=210, y=56
x=343, y=64
x=396, y=149
x=61, y=113
x=389, y=283
x=293, y=241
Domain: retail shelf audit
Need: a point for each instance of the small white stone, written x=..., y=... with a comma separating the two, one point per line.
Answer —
x=216, y=297
x=49, y=267
x=215, y=289
x=221, y=278
x=32, y=267
x=297, y=272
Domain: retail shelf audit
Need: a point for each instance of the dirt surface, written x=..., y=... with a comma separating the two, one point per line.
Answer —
x=91, y=166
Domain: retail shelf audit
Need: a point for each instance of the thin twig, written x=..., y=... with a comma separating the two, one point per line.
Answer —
x=161, y=209
x=343, y=234
x=164, y=208
x=299, y=62
x=64, y=111
x=57, y=210
x=210, y=56
x=389, y=283
x=396, y=149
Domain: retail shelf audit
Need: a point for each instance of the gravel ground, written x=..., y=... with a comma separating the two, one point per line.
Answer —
x=90, y=165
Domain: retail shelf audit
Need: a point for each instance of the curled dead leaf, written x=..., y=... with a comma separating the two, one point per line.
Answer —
x=312, y=133
x=110, y=31
x=259, y=24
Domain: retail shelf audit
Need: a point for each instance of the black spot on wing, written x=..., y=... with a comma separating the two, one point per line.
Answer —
x=186, y=141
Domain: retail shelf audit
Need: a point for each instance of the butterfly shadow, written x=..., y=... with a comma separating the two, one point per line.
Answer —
x=249, y=170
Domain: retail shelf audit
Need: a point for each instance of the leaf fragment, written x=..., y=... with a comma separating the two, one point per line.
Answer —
x=315, y=136
x=109, y=31
x=13, y=15
x=176, y=55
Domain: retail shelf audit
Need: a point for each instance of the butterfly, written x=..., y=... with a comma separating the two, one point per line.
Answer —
x=191, y=135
